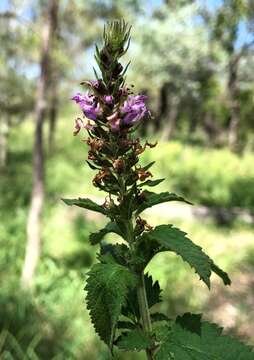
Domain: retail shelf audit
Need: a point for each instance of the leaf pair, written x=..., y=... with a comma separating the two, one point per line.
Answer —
x=149, y=199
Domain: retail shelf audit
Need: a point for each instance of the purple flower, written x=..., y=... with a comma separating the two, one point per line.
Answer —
x=88, y=104
x=134, y=109
x=108, y=99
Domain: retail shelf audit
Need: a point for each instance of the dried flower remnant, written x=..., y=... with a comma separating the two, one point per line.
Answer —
x=79, y=124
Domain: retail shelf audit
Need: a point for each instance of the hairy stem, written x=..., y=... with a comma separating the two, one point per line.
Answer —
x=144, y=310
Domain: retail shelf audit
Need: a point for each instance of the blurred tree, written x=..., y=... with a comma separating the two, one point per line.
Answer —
x=195, y=57
x=15, y=87
x=33, y=246
x=174, y=44
x=54, y=76
x=229, y=17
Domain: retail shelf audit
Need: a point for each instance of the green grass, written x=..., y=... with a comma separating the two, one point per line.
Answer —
x=52, y=322
x=209, y=177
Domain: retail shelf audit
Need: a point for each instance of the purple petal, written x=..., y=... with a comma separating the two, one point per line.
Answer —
x=134, y=109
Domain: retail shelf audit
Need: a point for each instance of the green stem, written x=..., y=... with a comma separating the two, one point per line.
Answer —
x=144, y=310
x=141, y=290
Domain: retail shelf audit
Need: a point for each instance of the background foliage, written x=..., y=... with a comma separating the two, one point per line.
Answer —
x=181, y=54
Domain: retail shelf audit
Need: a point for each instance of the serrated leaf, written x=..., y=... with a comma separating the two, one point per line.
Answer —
x=182, y=343
x=111, y=227
x=86, y=204
x=134, y=340
x=151, y=182
x=222, y=274
x=118, y=253
x=126, y=325
x=152, y=199
x=158, y=317
x=107, y=287
x=191, y=322
x=153, y=293
x=172, y=239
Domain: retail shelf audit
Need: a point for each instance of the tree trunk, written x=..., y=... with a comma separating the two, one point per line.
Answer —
x=171, y=120
x=233, y=131
x=193, y=123
x=163, y=106
x=4, y=131
x=53, y=96
x=33, y=246
x=234, y=108
x=210, y=127
x=53, y=111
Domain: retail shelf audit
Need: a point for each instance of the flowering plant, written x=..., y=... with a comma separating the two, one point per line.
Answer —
x=119, y=294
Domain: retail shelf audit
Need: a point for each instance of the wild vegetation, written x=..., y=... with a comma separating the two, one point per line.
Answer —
x=194, y=62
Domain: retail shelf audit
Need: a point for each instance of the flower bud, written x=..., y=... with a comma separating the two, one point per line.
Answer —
x=117, y=71
x=108, y=99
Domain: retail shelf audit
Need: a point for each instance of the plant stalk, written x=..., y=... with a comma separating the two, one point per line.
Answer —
x=144, y=310
x=141, y=290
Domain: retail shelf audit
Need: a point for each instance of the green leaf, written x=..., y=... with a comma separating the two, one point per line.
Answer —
x=93, y=167
x=172, y=239
x=135, y=340
x=86, y=204
x=151, y=182
x=95, y=238
x=184, y=343
x=222, y=274
x=191, y=322
x=107, y=287
x=146, y=167
x=153, y=293
x=152, y=199
x=158, y=317
x=118, y=253
x=126, y=325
